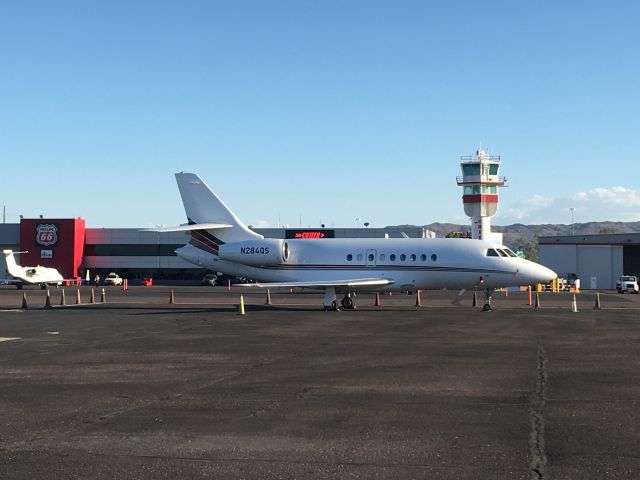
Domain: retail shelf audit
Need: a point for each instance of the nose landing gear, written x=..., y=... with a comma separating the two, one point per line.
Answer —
x=488, y=293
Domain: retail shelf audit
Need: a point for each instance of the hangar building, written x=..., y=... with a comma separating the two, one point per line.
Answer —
x=597, y=260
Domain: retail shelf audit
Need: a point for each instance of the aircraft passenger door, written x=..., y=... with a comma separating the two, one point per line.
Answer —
x=371, y=258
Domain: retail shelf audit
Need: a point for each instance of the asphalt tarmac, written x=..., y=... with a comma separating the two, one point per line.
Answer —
x=137, y=388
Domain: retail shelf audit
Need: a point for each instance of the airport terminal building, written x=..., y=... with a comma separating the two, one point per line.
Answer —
x=70, y=247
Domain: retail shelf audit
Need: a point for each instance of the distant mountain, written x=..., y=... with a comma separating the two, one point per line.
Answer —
x=525, y=237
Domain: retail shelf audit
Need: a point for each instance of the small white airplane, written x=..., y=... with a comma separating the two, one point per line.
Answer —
x=222, y=243
x=38, y=275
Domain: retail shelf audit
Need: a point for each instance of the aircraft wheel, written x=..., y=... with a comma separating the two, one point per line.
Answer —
x=486, y=307
x=331, y=308
x=347, y=303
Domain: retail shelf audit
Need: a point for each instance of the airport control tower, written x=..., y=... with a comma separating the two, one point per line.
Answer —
x=480, y=182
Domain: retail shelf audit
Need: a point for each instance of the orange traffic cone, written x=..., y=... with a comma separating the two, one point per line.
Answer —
x=24, y=301
x=268, y=302
x=597, y=305
x=47, y=302
x=377, y=302
x=78, y=299
x=103, y=296
x=172, y=298
x=63, y=300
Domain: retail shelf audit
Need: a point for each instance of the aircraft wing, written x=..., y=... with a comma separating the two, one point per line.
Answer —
x=357, y=282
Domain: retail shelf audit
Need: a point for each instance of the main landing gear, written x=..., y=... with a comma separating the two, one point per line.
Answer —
x=330, y=301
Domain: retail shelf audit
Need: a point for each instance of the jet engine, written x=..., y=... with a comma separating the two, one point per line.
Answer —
x=267, y=251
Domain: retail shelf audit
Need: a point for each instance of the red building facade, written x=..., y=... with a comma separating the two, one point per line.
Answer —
x=57, y=243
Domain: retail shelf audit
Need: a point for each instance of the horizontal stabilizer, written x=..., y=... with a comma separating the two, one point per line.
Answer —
x=359, y=282
x=188, y=228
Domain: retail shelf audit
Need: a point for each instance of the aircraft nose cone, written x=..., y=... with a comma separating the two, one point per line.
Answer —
x=536, y=273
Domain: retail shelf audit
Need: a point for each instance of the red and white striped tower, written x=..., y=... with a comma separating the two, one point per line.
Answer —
x=480, y=182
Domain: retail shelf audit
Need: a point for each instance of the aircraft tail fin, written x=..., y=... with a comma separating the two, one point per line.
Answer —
x=203, y=206
x=12, y=266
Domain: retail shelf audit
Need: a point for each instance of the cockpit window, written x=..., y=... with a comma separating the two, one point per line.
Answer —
x=492, y=253
x=502, y=252
x=510, y=252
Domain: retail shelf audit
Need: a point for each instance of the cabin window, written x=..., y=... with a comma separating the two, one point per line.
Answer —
x=492, y=253
x=349, y=257
x=423, y=258
x=403, y=257
x=413, y=257
x=434, y=257
x=392, y=257
x=383, y=257
x=371, y=257
x=359, y=257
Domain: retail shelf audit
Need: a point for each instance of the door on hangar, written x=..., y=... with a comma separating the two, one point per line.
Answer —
x=631, y=260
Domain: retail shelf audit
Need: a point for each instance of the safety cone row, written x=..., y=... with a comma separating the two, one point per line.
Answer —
x=377, y=302
x=418, y=298
x=574, y=305
x=172, y=297
x=241, y=306
x=268, y=301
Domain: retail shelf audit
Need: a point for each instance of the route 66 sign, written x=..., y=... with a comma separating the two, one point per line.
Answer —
x=46, y=234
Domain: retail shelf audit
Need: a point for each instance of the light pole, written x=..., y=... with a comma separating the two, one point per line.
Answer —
x=573, y=227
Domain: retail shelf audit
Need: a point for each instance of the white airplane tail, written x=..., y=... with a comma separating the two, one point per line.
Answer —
x=202, y=206
x=12, y=266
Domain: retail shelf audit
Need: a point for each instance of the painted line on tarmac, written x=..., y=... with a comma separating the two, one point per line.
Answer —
x=8, y=339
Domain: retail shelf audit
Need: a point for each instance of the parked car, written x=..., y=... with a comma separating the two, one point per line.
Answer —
x=627, y=283
x=113, y=279
x=209, y=279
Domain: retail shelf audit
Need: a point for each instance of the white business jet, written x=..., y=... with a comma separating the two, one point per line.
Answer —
x=38, y=275
x=221, y=242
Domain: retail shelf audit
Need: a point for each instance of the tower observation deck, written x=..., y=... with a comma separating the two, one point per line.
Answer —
x=480, y=182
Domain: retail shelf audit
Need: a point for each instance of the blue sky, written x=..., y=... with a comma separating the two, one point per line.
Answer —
x=318, y=111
